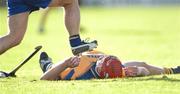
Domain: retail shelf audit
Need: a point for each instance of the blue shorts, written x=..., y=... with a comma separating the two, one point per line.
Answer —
x=20, y=6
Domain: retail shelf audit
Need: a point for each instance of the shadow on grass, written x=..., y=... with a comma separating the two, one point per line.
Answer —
x=148, y=78
x=165, y=79
x=151, y=78
x=130, y=79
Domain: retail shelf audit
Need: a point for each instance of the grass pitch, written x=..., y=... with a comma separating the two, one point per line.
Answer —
x=133, y=33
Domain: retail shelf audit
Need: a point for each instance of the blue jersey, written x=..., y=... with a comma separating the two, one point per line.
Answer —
x=20, y=6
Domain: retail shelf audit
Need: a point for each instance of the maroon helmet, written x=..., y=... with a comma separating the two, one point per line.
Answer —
x=109, y=67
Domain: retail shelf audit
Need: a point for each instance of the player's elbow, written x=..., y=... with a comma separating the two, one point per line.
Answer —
x=43, y=78
x=49, y=78
x=46, y=78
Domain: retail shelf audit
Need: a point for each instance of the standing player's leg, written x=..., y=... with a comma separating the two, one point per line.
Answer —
x=43, y=20
x=17, y=28
x=72, y=23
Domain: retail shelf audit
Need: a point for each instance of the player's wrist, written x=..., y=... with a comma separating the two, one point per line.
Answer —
x=72, y=62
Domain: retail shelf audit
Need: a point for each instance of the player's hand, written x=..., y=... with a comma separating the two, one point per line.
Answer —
x=74, y=62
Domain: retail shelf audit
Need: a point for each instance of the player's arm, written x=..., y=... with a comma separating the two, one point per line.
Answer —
x=54, y=72
x=143, y=69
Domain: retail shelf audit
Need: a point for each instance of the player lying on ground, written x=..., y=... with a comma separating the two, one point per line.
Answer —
x=96, y=65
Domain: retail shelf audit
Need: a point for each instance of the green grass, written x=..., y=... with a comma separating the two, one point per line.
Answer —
x=131, y=33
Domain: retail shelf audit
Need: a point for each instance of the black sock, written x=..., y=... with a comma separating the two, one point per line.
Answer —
x=75, y=40
x=47, y=67
x=176, y=70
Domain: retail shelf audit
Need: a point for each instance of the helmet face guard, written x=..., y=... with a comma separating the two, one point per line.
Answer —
x=109, y=67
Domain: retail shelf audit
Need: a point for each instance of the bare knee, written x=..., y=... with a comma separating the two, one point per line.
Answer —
x=15, y=39
x=69, y=3
x=63, y=3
